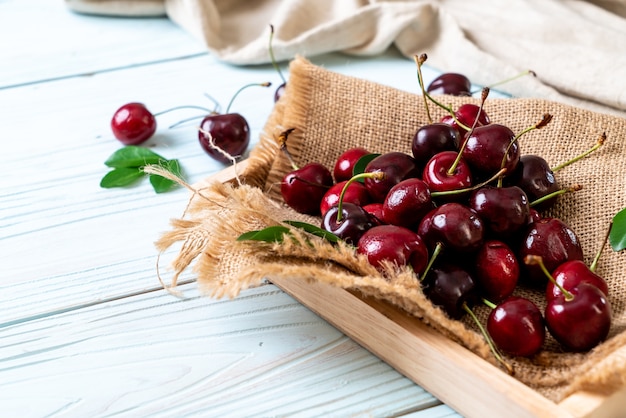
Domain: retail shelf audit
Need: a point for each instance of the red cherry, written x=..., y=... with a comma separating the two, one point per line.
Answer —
x=450, y=83
x=304, y=188
x=436, y=175
x=517, y=327
x=497, y=270
x=355, y=193
x=570, y=274
x=393, y=244
x=579, y=322
x=490, y=148
x=344, y=166
x=376, y=212
x=224, y=133
x=406, y=203
x=133, y=124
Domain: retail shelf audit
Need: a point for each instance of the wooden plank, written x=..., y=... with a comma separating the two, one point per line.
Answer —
x=260, y=354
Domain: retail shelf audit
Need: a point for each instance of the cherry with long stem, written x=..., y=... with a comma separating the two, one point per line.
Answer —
x=579, y=157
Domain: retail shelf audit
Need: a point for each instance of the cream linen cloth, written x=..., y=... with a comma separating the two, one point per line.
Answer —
x=577, y=48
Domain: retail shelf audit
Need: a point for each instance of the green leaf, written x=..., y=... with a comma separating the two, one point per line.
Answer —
x=617, y=236
x=269, y=234
x=120, y=177
x=133, y=156
x=161, y=184
x=360, y=165
x=315, y=230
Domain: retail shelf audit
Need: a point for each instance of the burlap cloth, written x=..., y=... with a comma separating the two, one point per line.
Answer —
x=331, y=113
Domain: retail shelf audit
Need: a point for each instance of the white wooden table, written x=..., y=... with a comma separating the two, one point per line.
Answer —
x=86, y=329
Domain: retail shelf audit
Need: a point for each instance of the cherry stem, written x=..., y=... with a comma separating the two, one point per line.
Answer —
x=433, y=257
x=376, y=175
x=266, y=84
x=470, y=189
x=549, y=196
x=419, y=60
x=490, y=342
x=515, y=77
x=447, y=109
x=273, y=59
x=594, y=263
x=535, y=260
x=598, y=144
x=282, y=142
x=456, y=162
x=182, y=107
x=489, y=303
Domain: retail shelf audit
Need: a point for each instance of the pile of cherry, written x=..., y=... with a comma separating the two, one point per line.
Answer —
x=465, y=211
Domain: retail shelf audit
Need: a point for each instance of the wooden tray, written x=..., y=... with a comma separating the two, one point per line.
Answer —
x=455, y=375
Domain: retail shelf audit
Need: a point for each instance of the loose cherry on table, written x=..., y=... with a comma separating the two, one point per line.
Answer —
x=225, y=136
x=133, y=124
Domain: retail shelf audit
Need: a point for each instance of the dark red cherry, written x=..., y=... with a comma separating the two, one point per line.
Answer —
x=455, y=226
x=570, y=274
x=355, y=193
x=452, y=84
x=432, y=139
x=466, y=114
x=581, y=322
x=552, y=240
x=517, y=327
x=535, y=177
x=504, y=210
x=436, y=175
x=497, y=270
x=344, y=165
x=406, y=203
x=396, y=166
x=450, y=287
x=490, y=148
x=280, y=91
x=353, y=223
x=304, y=188
x=133, y=124
x=224, y=133
x=395, y=245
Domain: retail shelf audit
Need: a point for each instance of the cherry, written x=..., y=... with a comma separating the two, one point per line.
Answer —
x=569, y=274
x=446, y=172
x=552, y=240
x=534, y=176
x=344, y=165
x=395, y=245
x=497, y=270
x=355, y=193
x=517, y=326
x=406, y=203
x=580, y=319
x=376, y=212
x=396, y=166
x=452, y=84
x=303, y=188
x=133, y=124
x=504, y=210
x=465, y=116
x=489, y=148
x=451, y=288
x=432, y=139
x=352, y=223
x=455, y=226
x=225, y=137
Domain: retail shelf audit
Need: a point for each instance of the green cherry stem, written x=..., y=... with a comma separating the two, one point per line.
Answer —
x=490, y=342
x=272, y=58
x=598, y=144
x=535, y=260
x=433, y=257
x=489, y=303
x=419, y=60
x=232, y=99
x=515, y=77
x=470, y=189
x=549, y=196
x=376, y=175
x=594, y=263
x=456, y=162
